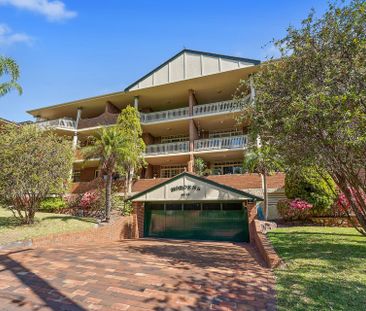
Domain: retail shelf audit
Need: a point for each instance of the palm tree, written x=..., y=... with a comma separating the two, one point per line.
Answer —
x=262, y=161
x=108, y=146
x=9, y=68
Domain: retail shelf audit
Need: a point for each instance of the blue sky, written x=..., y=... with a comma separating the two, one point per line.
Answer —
x=69, y=50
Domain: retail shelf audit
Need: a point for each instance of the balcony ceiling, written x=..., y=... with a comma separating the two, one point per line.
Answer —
x=211, y=88
x=170, y=159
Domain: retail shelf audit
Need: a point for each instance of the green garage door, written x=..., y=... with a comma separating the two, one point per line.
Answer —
x=197, y=221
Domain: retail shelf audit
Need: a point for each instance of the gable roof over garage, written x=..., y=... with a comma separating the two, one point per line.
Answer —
x=190, y=187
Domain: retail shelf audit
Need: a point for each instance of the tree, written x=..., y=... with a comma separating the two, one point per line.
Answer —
x=9, y=68
x=132, y=154
x=307, y=184
x=310, y=105
x=109, y=146
x=261, y=160
x=33, y=165
x=200, y=166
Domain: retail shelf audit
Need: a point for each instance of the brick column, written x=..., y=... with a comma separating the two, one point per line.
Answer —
x=252, y=215
x=138, y=219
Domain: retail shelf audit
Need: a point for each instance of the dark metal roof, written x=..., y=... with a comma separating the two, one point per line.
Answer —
x=202, y=179
x=247, y=60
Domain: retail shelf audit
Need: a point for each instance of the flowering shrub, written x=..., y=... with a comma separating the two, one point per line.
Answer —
x=89, y=200
x=296, y=209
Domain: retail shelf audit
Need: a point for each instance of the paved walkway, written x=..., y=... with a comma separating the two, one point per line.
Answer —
x=136, y=275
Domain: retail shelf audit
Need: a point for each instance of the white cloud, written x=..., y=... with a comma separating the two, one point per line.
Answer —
x=54, y=10
x=270, y=51
x=9, y=37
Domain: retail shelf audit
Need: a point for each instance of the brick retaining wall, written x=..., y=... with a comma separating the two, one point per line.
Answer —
x=120, y=229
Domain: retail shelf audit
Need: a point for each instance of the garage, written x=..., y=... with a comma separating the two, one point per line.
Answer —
x=191, y=207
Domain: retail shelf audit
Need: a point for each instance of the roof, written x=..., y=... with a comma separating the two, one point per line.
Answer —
x=2, y=120
x=240, y=61
x=201, y=179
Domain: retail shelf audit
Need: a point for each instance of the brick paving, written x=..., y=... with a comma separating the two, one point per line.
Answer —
x=136, y=275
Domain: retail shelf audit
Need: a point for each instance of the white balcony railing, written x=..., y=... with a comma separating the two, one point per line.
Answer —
x=232, y=142
x=169, y=148
x=64, y=123
x=219, y=107
x=164, y=115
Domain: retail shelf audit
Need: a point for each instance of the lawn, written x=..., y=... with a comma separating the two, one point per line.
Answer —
x=326, y=268
x=46, y=224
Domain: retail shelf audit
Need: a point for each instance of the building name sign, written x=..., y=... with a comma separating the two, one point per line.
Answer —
x=185, y=187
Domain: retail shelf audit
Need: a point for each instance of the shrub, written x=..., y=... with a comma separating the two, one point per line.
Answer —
x=294, y=209
x=90, y=200
x=52, y=205
x=308, y=185
x=200, y=166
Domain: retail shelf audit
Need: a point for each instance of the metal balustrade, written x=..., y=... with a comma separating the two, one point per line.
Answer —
x=164, y=115
x=232, y=142
x=169, y=148
x=64, y=123
x=218, y=107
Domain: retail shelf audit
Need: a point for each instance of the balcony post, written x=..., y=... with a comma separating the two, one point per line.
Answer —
x=136, y=102
x=193, y=133
x=75, y=138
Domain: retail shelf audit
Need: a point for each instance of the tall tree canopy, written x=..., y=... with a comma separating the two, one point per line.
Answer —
x=33, y=164
x=310, y=104
x=8, y=67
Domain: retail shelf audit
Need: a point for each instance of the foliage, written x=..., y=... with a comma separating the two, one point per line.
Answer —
x=310, y=105
x=123, y=206
x=324, y=268
x=52, y=205
x=200, y=166
x=90, y=200
x=307, y=184
x=9, y=68
x=109, y=145
x=294, y=209
x=263, y=161
x=11, y=228
x=33, y=165
x=130, y=126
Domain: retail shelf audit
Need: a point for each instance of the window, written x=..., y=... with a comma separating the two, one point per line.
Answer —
x=224, y=133
x=227, y=168
x=173, y=139
x=232, y=206
x=96, y=173
x=173, y=207
x=171, y=171
x=76, y=176
x=211, y=206
x=192, y=206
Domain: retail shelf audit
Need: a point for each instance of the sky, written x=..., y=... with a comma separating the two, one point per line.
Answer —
x=68, y=50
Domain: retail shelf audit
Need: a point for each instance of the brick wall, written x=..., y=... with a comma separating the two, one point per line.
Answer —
x=139, y=215
x=120, y=229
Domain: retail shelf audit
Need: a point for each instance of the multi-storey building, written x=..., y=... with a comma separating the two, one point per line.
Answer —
x=187, y=111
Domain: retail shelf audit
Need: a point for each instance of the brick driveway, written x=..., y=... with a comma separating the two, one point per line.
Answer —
x=136, y=275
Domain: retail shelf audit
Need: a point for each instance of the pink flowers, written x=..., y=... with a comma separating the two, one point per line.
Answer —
x=296, y=209
x=89, y=199
x=300, y=205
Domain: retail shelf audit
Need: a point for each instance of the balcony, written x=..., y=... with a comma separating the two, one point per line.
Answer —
x=166, y=115
x=214, y=108
x=210, y=144
x=169, y=148
x=63, y=123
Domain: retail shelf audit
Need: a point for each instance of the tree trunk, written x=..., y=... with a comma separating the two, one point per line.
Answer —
x=130, y=176
x=265, y=196
x=108, y=198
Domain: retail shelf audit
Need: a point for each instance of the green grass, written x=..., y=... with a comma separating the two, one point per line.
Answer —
x=46, y=223
x=326, y=268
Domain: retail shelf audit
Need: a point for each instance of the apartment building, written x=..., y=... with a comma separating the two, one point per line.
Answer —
x=187, y=111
